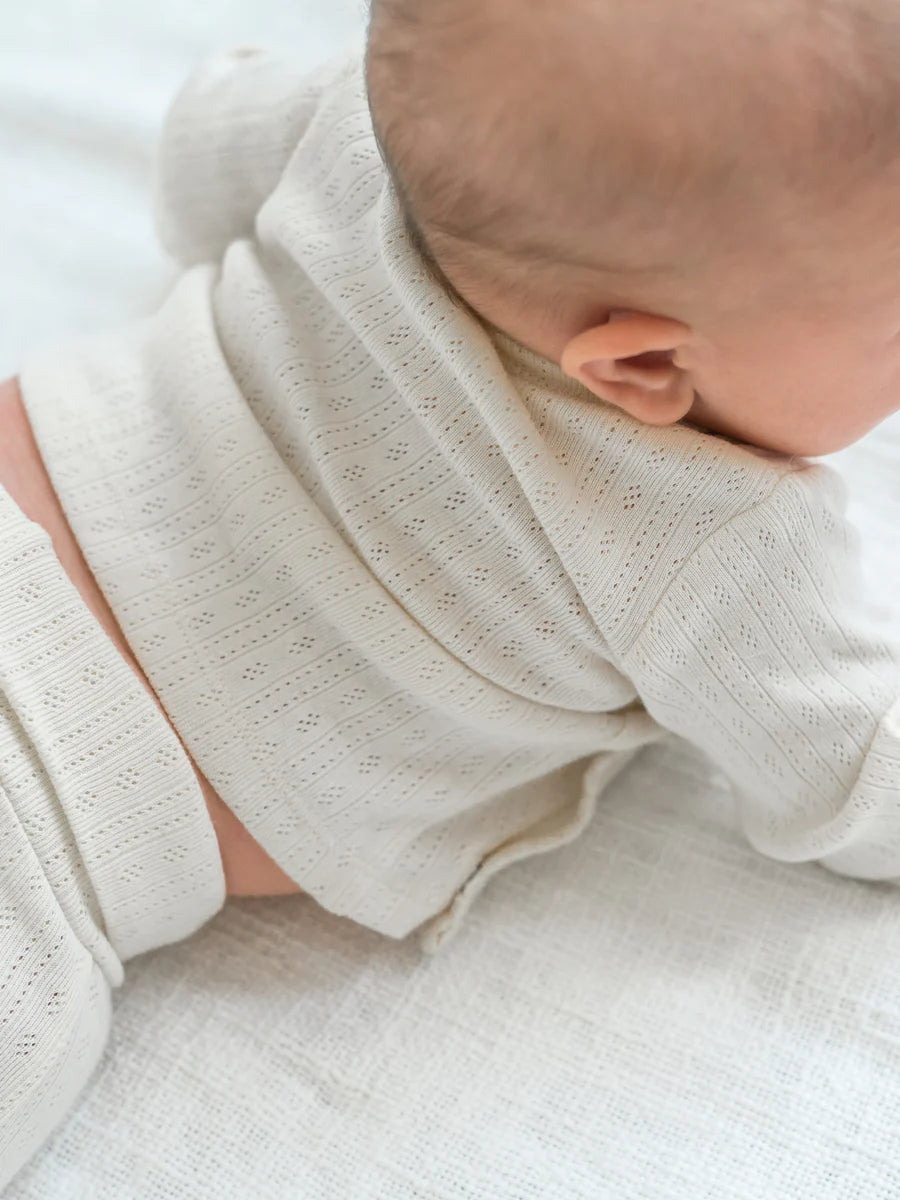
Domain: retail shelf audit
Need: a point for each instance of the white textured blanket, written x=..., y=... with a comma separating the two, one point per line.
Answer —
x=656, y=1011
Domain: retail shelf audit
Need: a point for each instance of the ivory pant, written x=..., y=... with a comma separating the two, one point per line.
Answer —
x=106, y=847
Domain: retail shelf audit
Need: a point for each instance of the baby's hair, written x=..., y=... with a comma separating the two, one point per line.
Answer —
x=386, y=58
x=631, y=137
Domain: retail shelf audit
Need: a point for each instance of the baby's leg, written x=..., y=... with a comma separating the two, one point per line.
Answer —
x=55, y=1002
x=249, y=871
x=106, y=847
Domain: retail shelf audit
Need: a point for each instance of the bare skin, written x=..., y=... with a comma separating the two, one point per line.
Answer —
x=742, y=277
x=249, y=871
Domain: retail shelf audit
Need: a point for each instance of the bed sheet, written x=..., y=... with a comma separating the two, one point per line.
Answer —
x=655, y=1011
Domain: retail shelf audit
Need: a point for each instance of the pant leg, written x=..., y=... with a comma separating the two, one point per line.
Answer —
x=106, y=847
x=55, y=1003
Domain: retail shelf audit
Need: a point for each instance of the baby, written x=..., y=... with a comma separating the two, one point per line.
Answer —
x=464, y=459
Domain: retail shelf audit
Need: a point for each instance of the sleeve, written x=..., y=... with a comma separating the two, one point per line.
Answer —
x=225, y=142
x=761, y=654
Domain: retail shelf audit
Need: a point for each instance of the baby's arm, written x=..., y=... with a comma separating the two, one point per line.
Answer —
x=759, y=655
x=225, y=142
x=249, y=871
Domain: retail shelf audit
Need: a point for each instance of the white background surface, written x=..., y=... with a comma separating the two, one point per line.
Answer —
x=83, y=88
x=655, y=1011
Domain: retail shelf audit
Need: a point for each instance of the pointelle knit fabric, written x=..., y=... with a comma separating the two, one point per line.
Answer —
x=106, y=846
x=411, y=596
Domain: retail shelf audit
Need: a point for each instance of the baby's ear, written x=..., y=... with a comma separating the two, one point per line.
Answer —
x=628, y=361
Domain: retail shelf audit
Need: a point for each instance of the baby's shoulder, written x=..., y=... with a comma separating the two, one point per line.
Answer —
x=674, y=469
x=636, y=504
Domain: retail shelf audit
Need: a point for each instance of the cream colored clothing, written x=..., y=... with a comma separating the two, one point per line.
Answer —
x=411, y=596
x=107, y=850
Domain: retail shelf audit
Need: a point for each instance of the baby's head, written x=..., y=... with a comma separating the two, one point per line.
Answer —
x=690, y=206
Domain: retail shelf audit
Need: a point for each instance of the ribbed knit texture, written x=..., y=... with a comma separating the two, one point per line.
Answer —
x=410, y=595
